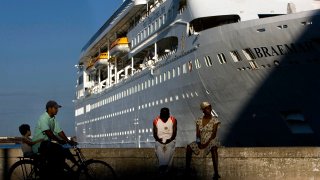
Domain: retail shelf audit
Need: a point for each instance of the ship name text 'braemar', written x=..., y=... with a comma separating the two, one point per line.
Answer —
x=283, y=49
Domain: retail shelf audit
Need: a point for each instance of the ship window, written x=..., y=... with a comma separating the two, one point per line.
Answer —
x=156, y=80
x=190, y=66
x=145, y=85
x=208, y=60
x=156, y=25
x=138, y=38
x=145, y=33
x=160, y=78
x=268, y=15
x=80, y=80
x=184, y=68
x=132, y=43
x=164, y=18
x=142, y=87
x=204, y=23
x=306, y=23
x=178, y=70
x=296, y=122
x=149, y=83
x=282, y=26
x=235, y=56
x=173, y=73
x=164, y=76
x=138, y=87
x=160, y=21
x=149, y=30
x=169, y=75
x=152, y=27
x=222, y=58
x=197, y=63
x=261, y=30
x=253, y=65
x=248, y=54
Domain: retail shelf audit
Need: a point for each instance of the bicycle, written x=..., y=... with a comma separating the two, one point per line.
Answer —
x=92, y=169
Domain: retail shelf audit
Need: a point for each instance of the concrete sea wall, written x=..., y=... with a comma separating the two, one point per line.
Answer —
x=234, y=163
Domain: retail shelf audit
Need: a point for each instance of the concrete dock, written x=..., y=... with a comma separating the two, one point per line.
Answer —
x=234, y=163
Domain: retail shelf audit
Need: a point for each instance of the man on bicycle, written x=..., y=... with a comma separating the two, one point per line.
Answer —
x=48, y=128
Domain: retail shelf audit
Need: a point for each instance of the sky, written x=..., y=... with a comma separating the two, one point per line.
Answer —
x=40, y=42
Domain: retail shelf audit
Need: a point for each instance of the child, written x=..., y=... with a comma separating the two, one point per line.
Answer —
x=26, y=144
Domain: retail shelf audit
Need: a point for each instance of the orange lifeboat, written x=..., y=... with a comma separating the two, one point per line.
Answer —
x=101, y=60
x=120, y=45
x=90, y=67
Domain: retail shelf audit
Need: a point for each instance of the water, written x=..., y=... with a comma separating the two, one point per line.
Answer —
x=10, y=146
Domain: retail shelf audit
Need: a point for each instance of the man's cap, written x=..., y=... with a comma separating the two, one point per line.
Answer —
x=52, y=103
x=204, y=105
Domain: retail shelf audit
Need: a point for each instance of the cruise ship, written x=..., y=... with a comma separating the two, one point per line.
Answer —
x=256, y=62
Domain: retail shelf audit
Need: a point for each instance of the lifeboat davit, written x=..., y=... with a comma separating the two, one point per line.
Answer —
x=101, y=60
x=120, y=45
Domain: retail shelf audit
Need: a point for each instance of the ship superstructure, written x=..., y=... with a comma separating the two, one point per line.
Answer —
x=256, y=62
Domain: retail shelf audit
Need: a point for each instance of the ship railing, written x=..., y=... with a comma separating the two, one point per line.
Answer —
x=103, y=84
x=95, y=89
x=166, y=55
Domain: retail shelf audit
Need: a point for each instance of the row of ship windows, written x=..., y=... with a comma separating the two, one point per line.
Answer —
x=144, y=106
x=121, y=133
x=146, y=130
x=284, y=26
x=155, y=25
x=187, y=67
x=146, y=32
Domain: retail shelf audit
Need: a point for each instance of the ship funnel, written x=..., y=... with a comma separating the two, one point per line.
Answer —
x=138, y=2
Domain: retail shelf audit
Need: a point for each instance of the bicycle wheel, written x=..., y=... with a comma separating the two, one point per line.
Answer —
x=24, y=169
x=96, y=170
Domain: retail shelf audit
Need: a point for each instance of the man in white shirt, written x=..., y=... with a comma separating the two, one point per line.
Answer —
x=164, y=132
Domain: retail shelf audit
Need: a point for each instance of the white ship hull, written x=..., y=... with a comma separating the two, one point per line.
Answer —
x=260, y=75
